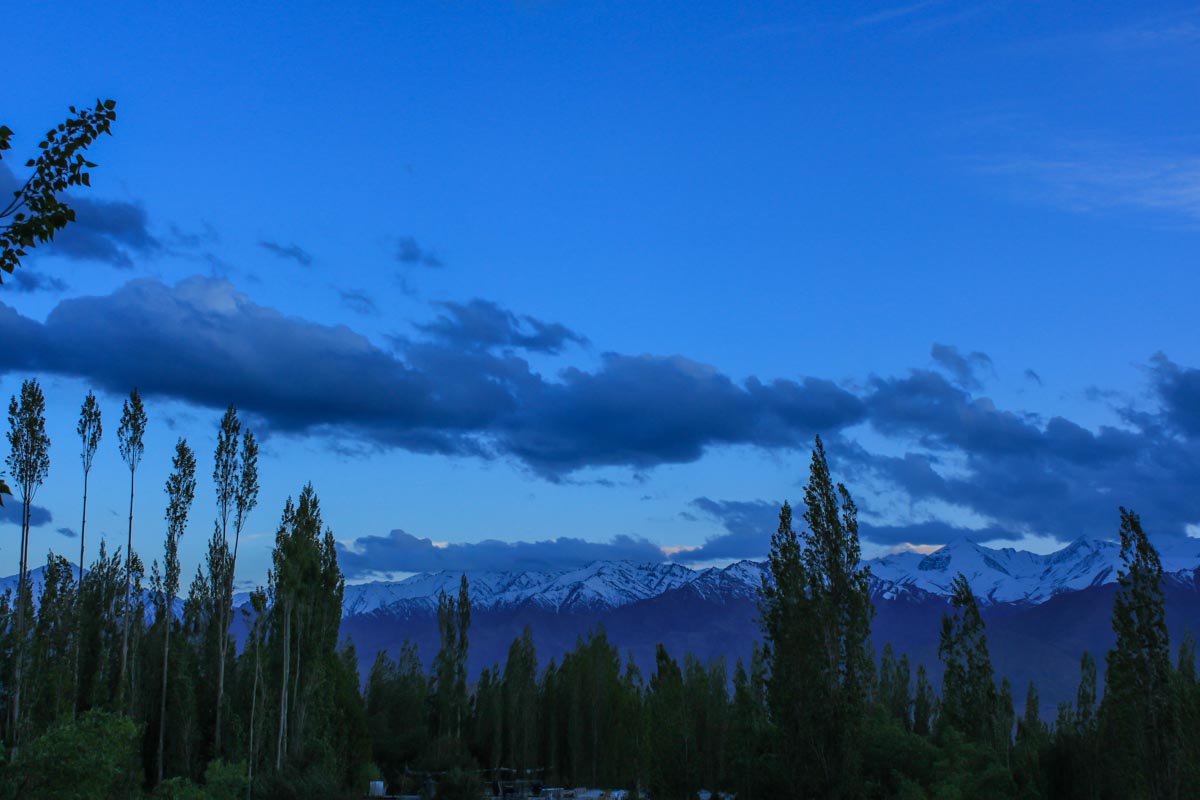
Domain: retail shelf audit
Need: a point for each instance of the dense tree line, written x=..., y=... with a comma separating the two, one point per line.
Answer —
x=112, y=685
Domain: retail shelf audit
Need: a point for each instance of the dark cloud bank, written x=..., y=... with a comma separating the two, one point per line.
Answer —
x=464, y=386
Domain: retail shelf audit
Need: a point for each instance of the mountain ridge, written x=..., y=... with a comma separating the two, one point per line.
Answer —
x=996, y=575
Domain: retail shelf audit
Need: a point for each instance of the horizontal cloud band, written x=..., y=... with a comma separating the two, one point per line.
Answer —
x=465, y=386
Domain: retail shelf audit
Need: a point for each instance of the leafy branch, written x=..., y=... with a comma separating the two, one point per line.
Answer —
x=36, y=212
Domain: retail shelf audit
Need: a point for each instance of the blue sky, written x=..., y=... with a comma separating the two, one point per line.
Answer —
x=540, y=271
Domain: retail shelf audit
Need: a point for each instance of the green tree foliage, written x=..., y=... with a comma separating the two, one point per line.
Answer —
x=970, y=702
x=91, y=758
x=50, y=672
x=318, y=723
x=297, y=722
x=29, y=462
x=749, y=761
x=1138, y=720
x=396, y=699
x=895, y=687
x=519, y=686
x=673, y=754
x=924, y=704
x=816, y=615
x=449, y=678
x=1032, y=744
x=90, y=428
x=235, y=476
x=181, y=490
x=37, y=210
x=129, y=438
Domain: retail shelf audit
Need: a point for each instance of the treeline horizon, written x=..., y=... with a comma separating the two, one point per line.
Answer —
x=104, y=696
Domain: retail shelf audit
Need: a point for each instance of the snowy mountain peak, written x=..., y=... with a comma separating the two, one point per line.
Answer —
x=996, y=575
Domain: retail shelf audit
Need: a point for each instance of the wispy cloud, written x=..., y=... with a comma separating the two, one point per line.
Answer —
x=1085, y=179
x=410, y=253
x=896, y=12
x=359, y=302
x=1157, y=32
x=25, y=280
x=291, y=251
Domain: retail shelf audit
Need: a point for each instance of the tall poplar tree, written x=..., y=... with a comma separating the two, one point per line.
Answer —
x=181, y=490
x=520, y=702
x=225, y=474
x=816, y=613
x=235, y=477
x=970, y=701
x=1136, y=716
x=29, y=462
x=449, y=676
x=129, y=438
x=90, y=429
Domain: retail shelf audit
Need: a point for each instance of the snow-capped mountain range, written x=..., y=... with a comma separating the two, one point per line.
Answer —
x=601, y=585
x=1003, y=575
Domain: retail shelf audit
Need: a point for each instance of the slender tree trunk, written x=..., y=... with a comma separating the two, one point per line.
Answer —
x=296, y=715
x=79, y=596
x=283, y=688
x=22, y=600
x=224, y=615
x=223, y=619
x=128, y=590
x=253, y=707
x=296, y=677
x=162, y=716
x=222, y=643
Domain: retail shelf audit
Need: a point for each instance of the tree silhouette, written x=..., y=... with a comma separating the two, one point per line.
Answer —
x=129, y=435
x=37, y=211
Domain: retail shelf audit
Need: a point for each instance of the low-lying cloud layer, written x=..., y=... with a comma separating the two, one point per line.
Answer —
x=463, y=385
x=403, y=552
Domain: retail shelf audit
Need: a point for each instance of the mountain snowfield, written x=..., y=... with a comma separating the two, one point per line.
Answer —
x=1003, y=575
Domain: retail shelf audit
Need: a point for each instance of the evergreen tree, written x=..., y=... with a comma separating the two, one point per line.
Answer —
x=29, y=462
x=129, y=437
x=1137, y=717
x=816, y=614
